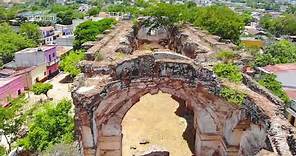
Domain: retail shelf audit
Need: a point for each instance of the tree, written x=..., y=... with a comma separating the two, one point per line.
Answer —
x=291, y=9
x=266, y=21
x=66, y=14
x=93, y=11
x=221, y=21
x=31, y=31
x=69, y=63
x=52, y=125
x=41, y=88
x=282, y=25
x=10, y=121
x=278, y=53
x=88, y=31
x=65, y=17
x=11, y=42
x=247, y=17
x=7, y=14
x=164, y=16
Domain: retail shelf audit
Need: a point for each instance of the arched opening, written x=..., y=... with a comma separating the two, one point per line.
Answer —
x=221, y=128
x=158, y=123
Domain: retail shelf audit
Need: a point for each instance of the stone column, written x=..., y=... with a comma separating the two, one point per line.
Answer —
x=110, y=138
x=86, y=134
x=209, y=144
x=208, y=140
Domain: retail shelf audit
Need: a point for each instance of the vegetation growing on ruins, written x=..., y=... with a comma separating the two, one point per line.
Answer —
x=218, y=20
x=221, y=21
x=230, y=23
x=226, y=56
x=228, y=71
x=280, y=52
x=88, y=31
x=52, y=125
x=269, y=81
x=232, y=96
x=99, y=56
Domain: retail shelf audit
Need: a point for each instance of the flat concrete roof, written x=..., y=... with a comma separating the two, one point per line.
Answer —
x=32, y=50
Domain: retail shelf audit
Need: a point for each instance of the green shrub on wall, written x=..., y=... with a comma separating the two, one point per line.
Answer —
x=232, y=96
x=228, y=71
x=269, y=81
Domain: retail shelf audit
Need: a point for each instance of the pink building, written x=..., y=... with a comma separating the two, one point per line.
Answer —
x=44, y=56
x=11, y=87
x=52, y=60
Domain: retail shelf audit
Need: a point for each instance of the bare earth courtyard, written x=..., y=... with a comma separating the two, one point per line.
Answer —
x=153, y=120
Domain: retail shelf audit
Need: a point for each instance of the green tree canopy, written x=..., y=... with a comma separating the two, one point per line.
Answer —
x=282, y=25
x=7, y=14
x=69, y=63
x=88, y=31
x=218, y=20
x=31, y=31
x=247, y=17
x=11, y=42
x=280, y=52
x=10, y=121
x=52, y=125
x=66, y=13
x=221, y=21
x=93, y=11
x=41, y=88
x=163, y=14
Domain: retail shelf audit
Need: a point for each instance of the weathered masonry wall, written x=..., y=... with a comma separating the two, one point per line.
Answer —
x=105, y=93
x=188, y=41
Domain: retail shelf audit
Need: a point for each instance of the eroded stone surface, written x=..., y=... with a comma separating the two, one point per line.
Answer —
x=221, y=128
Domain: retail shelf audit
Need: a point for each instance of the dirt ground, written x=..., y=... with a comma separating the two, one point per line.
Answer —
x=155, y=119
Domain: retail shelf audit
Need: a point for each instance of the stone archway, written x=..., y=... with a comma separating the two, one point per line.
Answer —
x=109, y=91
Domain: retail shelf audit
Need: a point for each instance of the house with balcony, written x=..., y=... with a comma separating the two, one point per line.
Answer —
x=44, y=58
x=48, y=35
